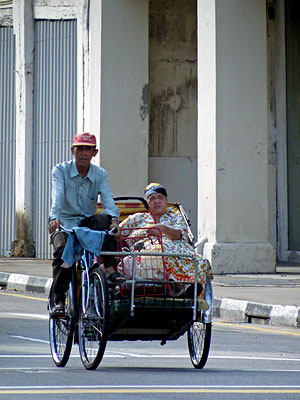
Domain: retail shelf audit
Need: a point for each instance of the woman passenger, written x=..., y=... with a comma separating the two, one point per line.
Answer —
x=174, y=236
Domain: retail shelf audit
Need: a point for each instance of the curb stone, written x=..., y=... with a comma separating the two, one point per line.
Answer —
x=246, y=311
x=25, y=283
x=4, y=278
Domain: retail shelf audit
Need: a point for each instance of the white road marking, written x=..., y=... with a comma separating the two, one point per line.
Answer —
x=155, y=387
x=160, y=356
x=30, y=339
x=26, y=315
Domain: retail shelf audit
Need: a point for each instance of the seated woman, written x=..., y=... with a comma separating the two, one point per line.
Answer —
x=174, y=236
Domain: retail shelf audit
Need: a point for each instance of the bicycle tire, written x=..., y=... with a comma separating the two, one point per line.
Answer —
x=199, y=338
x=94, y=323
x=61, y=330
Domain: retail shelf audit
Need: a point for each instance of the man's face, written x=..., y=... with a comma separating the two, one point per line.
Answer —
x=83, y=155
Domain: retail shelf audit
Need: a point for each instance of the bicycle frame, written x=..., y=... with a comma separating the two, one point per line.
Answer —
x=85, y=263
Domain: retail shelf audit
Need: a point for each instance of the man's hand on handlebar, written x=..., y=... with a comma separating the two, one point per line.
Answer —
x=115, y=227
x=54, y=225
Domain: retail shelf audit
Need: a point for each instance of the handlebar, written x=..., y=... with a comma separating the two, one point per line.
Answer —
x=113, y=231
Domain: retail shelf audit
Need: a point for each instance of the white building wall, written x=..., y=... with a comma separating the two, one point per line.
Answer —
x=173, y=101
x=112, y=76
x=124, y=85
x=233, y=136
x=79, y=10
x=24, y=13
x=6, y=16
x=233, y=179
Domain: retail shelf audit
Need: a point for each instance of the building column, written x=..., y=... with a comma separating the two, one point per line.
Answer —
x=94, y=77
x=24, y=31
x=124, y=94
x=233, y=136
x=24, y=34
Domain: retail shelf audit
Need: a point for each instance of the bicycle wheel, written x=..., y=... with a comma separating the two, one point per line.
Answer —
x=199, y=337
x=61, y=331
x=93, y=320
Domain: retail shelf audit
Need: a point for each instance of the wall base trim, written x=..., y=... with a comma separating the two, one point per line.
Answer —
x=240, y=258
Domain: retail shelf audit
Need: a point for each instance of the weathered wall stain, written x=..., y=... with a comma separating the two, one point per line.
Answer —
x=173, y=78
x=144, y=102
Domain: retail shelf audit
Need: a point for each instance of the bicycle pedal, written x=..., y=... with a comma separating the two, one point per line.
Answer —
x=64, y=317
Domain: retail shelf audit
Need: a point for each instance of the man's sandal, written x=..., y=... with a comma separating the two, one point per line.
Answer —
x=58, y=311
x=116, y=277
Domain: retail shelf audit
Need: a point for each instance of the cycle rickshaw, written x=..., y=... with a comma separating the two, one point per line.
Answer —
x=147, y=306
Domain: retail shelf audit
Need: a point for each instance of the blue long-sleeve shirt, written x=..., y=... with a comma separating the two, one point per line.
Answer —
x=75, y=198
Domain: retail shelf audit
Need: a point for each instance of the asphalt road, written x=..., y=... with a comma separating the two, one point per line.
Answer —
x=246, y=361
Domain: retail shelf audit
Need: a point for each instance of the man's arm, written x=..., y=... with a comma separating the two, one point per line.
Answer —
x=57, y=195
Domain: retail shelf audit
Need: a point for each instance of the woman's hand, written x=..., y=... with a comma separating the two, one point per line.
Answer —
x=172, y=233
x=155, y=230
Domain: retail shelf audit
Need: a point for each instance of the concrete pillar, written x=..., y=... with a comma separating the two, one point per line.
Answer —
x=24, y=31
x=94, y=70
x=124, y=94
x=232, y=136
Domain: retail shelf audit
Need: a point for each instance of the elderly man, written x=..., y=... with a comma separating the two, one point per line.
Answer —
x=75, y=188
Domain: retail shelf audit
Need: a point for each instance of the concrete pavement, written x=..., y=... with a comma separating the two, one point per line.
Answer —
x=257, y=298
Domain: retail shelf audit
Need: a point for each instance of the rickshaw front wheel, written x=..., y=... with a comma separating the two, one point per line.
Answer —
x=199, y=337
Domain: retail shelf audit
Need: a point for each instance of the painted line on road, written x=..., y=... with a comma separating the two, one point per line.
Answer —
x=36, y=369
x=29, y=356
x=256, y=328
x=151, y=389
x=159, y=356
x=248, y=357
x=82, y=387
x=30, y=339
x=37, y=316
x=23, y=296
x=53, y=369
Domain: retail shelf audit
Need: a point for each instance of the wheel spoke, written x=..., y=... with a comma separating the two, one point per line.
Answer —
x=93, y=324
x=199, y=336
x=61, y=333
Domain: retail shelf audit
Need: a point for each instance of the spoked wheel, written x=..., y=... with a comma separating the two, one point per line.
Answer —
x=61, y=331
x=94, y=320
x=199, y=336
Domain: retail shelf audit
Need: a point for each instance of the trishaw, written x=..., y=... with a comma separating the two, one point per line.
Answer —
x=147, y=306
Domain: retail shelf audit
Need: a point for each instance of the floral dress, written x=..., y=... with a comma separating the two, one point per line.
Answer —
x=178, y=269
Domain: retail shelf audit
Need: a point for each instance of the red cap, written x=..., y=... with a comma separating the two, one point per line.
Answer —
x=84, y=139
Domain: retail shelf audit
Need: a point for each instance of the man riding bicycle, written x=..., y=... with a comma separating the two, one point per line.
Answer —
x=75, y=188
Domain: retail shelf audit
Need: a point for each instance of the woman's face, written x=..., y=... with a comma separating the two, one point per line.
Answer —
x=157, y=204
